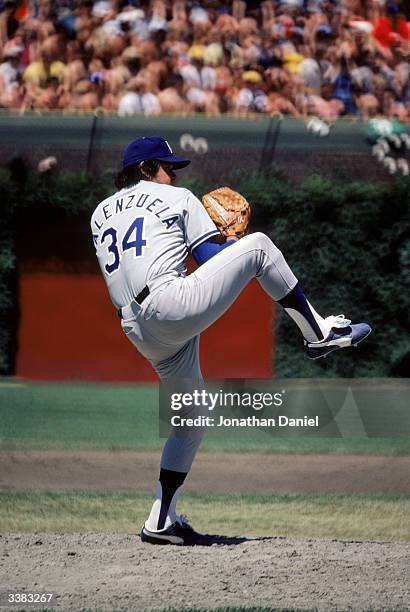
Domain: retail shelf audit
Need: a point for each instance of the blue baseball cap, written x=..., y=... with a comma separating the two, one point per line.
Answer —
x=152, y=147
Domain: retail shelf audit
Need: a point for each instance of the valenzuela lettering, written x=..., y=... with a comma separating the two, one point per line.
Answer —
x=155, y=206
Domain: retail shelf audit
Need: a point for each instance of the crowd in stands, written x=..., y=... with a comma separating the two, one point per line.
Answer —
x=297, y=57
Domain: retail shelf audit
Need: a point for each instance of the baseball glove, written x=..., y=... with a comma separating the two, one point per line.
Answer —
x=229, y=211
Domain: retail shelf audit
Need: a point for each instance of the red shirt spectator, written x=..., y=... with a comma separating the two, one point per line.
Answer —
x=389, y=30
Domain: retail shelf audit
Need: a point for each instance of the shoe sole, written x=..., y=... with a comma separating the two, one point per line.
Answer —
x=164, y=541
x=335, y=348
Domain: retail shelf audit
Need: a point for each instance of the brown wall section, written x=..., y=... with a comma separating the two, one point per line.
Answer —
x=69, y=330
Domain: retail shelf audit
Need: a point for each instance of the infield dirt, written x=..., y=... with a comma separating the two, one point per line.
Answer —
x=118, y=572
x=248, y=473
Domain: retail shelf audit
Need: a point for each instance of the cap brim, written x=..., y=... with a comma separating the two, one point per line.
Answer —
x=177, y=162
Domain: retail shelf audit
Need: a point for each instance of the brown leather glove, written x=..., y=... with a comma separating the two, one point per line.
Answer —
x=229, y=210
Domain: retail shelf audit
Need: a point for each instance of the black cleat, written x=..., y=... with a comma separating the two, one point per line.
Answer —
x=178, y=534
x=342, y=334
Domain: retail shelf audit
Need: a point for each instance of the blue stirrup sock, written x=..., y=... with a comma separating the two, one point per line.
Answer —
x=163, y=512
x=310, y=323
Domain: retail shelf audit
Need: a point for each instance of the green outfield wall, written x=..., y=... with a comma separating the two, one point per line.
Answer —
x=221, y=148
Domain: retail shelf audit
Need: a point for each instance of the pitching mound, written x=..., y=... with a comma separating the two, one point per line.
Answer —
x=119, y=572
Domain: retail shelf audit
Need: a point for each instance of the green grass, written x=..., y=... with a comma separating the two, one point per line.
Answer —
x=109, y=417
x=79, y=416
x=354, y=517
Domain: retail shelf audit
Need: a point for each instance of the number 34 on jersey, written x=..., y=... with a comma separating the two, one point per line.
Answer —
x=116, y=245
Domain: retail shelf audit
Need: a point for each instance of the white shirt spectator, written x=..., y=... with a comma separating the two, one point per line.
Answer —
x=191, y=75
x=139, y=28
x=112, y=28
x=244, y=99
x=157, y=23
x=102, y=8
x=208, y=77
x=310, y=72
x=253, y=100
x=204, y=78
x=8, y=75
x=130, y=16
x=297, y=4
x=363, y=77
x=198, y=15
x=196, y=96
x=138, y=104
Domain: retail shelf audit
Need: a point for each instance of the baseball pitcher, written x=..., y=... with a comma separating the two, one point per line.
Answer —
x=142, y=235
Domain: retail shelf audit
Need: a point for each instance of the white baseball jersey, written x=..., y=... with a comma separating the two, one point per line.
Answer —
x=143, y=233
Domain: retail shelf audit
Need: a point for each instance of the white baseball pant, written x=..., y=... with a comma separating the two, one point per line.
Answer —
x=166, y=327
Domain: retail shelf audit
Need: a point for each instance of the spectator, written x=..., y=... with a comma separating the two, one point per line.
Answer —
x=391, y=31
x=12, y=91
x=138, y=101
x=171, y=96
x=39, y=71
x=251, y=97
x=343, y=88
x=326, y=57
x=10, y=68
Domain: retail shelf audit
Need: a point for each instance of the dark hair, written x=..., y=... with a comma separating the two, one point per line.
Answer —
x=133, y=174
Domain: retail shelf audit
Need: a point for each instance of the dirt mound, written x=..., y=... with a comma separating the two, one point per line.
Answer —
x=119, y=572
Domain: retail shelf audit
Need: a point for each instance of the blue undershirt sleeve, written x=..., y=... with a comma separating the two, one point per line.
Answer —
x=208, y=249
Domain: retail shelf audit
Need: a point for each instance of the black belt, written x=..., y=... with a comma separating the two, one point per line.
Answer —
x=138, y=298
